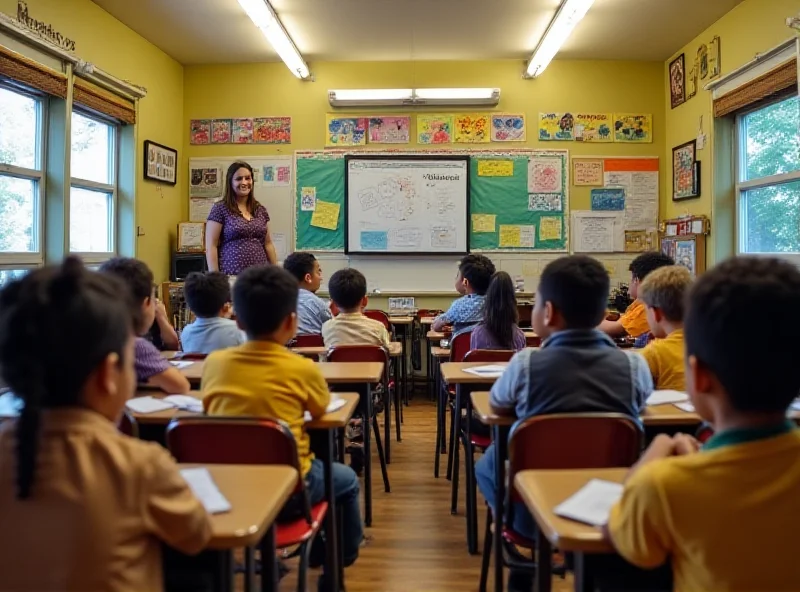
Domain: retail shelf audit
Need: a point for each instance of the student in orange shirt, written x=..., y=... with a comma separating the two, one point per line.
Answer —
x=633, y=322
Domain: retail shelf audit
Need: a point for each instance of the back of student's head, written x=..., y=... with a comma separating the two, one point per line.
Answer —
x=57, y=325
x=760, y=372
x=207, y=293
x=578, y=287
x=647, y=262
x=263, y=296
x=300, y=265
x=666, y=288
x=478, y=271
x=137, y=277
x=500, y=314
x=347, y=288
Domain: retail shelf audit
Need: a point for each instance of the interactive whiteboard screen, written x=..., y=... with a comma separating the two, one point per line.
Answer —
x=407, y=204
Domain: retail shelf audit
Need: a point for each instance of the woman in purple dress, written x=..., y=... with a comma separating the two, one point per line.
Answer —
x=237, y=230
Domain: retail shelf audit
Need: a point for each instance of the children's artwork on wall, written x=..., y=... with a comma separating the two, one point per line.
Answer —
x=686, y=255
x=684, y=171
x=544, y=202
x=389, y=130
x=471, y=128
x=556, y=126
x=633, y=127
x=272, y=130
x=434, y=129
x=508, y=127
x=702, y=61
x=713, y=58
x=220, y=131
x=677, y=81
x=200, y=131
x=593, y=127
x=242, y=131
x=544, y=175
x=608, y=199
x=205, y=181
x=346, y=131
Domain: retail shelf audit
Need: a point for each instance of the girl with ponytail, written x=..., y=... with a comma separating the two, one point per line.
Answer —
x=66, y=352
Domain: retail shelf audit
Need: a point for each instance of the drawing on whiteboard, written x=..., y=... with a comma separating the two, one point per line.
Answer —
x=443, y=237
x=368, y=198
x=544, y=175
x=374, y=240
x=544, y=202
x=406, y=238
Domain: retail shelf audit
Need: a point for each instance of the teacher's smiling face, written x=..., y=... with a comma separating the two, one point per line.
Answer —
x=242, y=182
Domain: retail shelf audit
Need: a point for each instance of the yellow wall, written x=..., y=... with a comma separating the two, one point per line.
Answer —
x=110, y=45
x=250, y=90
x=752, y=27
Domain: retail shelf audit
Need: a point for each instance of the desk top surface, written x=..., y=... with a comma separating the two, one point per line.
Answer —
x=453, y=372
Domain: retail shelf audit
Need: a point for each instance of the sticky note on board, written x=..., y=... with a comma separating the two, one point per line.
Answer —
x=527, y=236
x=549, y=228
x=509, y=236
x=495, y=168
x=483, y=222
x=326, y=215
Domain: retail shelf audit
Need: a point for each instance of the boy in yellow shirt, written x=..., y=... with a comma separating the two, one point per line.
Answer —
x=719, y=512
x=263, y=378
x=663, y=293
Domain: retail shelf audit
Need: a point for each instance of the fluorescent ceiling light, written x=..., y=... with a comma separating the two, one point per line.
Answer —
x=357, y=97
x=367, y=97
x=265, y=18
x=568, y=16
x=456, y=93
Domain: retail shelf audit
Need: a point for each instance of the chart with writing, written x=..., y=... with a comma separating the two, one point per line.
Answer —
x=406, y=204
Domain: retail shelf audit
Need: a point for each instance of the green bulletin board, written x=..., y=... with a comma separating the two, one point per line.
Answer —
x=325, y=173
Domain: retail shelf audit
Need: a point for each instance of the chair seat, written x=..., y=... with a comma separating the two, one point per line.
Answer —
x=513, y=537
x=480, y=440
x=299, y=531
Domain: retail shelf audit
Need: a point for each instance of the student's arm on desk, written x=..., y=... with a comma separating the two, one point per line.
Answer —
x=446, y=318
x=512, y=385
x=170, y=381
x=642, y=379
x=318, y=394
x=612, y=328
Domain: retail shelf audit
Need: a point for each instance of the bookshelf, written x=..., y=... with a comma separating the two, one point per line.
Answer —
x=175, y=303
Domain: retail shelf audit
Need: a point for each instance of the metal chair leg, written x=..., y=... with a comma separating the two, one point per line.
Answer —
x=381, y=456
x=487, y=551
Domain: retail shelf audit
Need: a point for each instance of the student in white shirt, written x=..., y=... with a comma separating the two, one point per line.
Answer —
x=208, y=296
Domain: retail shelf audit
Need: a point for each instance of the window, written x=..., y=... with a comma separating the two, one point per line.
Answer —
x=93, y=187
x=21, y=176
x=768, y=171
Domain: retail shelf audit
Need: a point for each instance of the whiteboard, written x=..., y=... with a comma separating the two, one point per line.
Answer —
x=414, y=204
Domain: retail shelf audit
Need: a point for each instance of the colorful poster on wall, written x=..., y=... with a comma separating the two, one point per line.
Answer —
x=508, y=127
x=544, y=175
x=434, y=129
x=220, y=131
x=587, y=172
x=608, y=199
x=556, y=126
x=593, y=127
x=389, y=130
x=200, y=131
x=242, y=131
x=471, y=128
x=633, y=127
x=345, y=131
x=272, y=130
x=205, y=181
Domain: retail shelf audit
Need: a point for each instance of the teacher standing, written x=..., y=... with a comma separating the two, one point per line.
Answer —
x=237, y=229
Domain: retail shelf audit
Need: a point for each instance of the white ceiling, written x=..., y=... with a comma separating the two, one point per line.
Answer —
x=218, y=31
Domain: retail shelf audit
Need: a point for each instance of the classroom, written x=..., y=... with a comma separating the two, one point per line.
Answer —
x=399, y=296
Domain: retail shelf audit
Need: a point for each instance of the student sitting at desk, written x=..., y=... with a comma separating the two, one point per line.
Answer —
x=312, y=312
x=474, y=275
x=578, y=369
x=348, y=288
x=151, y=367
x=727, y=516
x=663, y=293
x=262, y=378
x=82, y=506
x=633, y=321
x=208, y=296
x=499, y=328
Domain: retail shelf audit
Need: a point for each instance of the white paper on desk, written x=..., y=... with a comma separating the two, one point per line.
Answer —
x=204, y=489
x=490, y=371
x=662, y=397
x=180, y=365
x=685, y=406
x=592, y=503
x=336, y=403
x=148, y=405
x=187, y=402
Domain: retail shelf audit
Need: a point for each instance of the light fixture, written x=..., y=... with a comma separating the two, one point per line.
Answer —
x=413, y=97
x=265, y=18
x=568, y=16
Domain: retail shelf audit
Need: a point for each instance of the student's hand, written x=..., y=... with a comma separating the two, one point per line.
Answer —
x=685, y=444
x=161, y=311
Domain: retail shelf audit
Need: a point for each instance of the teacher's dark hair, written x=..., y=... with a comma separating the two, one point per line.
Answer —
x=57, y=324
x=230, y=196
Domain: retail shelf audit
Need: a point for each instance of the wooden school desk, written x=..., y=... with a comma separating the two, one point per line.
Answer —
x=405, y=324
x=256, y=494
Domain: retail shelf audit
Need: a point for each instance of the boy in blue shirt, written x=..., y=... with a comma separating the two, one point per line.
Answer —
x=578, y=368
x=208, y=296
x=474, y=276
x=312, y=312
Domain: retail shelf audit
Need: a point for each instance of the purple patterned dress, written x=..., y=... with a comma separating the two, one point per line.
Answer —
x=241, y=242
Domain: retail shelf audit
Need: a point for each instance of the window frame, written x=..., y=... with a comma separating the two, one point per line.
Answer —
x=742, y=186
x=112, y=188
x=20, y=259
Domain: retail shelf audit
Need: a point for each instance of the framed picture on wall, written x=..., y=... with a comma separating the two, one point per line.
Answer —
x=685, y=175
x=677, y=81
x=160, y=163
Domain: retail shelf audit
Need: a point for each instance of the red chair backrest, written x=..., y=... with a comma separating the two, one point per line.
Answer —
x=489, y=355
x=459, y=346
x=524, y=313
x=307, y=341
x=533, y=341
x=380, y=316
x=573, y=441
x=190, y=356
x=360, y=353
x=232, y=440
x=128, y=426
